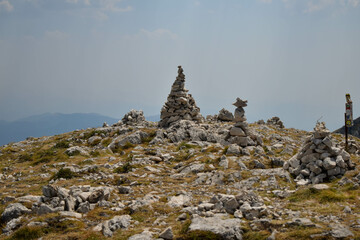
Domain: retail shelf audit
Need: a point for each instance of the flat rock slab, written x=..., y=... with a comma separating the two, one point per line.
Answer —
x=320, y=187
x=229, y=229
x=339, y=231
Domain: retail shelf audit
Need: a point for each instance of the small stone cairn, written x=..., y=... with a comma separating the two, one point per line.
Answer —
x=240, y=133
x=133, y=117
x=319, y=160
x=225, y=116
x=275, y=121
x=180, y=105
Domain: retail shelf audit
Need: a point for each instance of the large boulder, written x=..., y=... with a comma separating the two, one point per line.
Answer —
x=13, y=210
x=228, y=229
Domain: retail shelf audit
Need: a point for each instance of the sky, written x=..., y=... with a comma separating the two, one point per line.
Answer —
x=295, y=59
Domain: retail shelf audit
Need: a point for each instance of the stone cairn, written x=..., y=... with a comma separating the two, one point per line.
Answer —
x=319, y=159
x=275, y=121
x=133, y=117
x=180, y=105
x=240, y=133
x=225, y=116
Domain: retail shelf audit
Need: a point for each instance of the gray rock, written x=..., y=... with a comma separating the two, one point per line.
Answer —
x=70, y=214
x=12, y=225
x=320, y=187
x=71, y=151
x=14, y=210
x=224, y=162
x=94, y=140
x=179, y=201
x=236, y=131
x=233, y=149
x=334, y=171
x=84, y=207
x=251, y=213
x=225, y=115
x=230, y=203
x=328, y=163
x=225, y=228
x=45, y=209
x=117, y=222
x=347, y=209
x=167, y=234
x=50, y=191
x=340, y=231
x=145, y=235
x=301, y=222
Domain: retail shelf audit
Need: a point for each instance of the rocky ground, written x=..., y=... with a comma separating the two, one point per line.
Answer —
x=133, y=180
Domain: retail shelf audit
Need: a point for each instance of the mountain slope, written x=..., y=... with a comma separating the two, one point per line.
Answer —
x=49, y=124
x=354, y=130
x=138, y=181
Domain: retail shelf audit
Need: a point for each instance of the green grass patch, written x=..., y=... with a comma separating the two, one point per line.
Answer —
x=322, y=196
x=185, y=145
x=27, y=233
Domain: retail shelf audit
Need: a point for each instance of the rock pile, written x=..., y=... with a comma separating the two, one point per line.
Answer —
x=275, y=121
x=80, y=199
x=319, y=159
x=240, y=133
x=180, y=105
x=133, y=117
x=225, y=116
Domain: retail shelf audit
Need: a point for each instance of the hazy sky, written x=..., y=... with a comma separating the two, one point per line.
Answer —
x=294, y=59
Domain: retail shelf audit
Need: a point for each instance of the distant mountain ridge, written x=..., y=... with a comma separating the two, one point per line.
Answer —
x=354, y=130
x=48, y=124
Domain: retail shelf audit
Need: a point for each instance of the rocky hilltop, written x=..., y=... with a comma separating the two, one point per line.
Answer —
x=354, y=130
x=219, y=178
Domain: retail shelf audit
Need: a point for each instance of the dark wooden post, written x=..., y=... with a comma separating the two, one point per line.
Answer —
x=346, y=135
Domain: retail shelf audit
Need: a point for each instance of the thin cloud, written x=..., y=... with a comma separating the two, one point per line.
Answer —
x=159, y=33
x=266, y=1
x=315, y=6
x=5, y=4
x=56, y=35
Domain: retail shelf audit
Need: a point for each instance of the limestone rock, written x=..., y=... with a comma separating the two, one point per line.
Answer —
x=225, y=115
x=228, y=229
x=12, y=211
x=133, y=117
x=167, y=234
x=275, y=121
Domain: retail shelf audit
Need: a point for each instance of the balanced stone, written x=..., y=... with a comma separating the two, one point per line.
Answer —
x=240, y=133
x=180, y=105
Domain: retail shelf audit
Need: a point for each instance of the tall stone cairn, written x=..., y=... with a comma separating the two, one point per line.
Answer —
x=319, y=160
x=180, y=105
x=240, y=133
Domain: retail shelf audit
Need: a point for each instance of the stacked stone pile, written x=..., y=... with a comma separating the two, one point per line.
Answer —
x=275, y=121
x=319, y=159
x=133, y=117
x=180, y=105
x=240, y=133
x=225, y=116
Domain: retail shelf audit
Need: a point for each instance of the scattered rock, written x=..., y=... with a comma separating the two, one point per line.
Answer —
x=225, y=228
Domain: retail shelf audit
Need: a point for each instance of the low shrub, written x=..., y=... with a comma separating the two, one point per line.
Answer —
x=64, y=173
